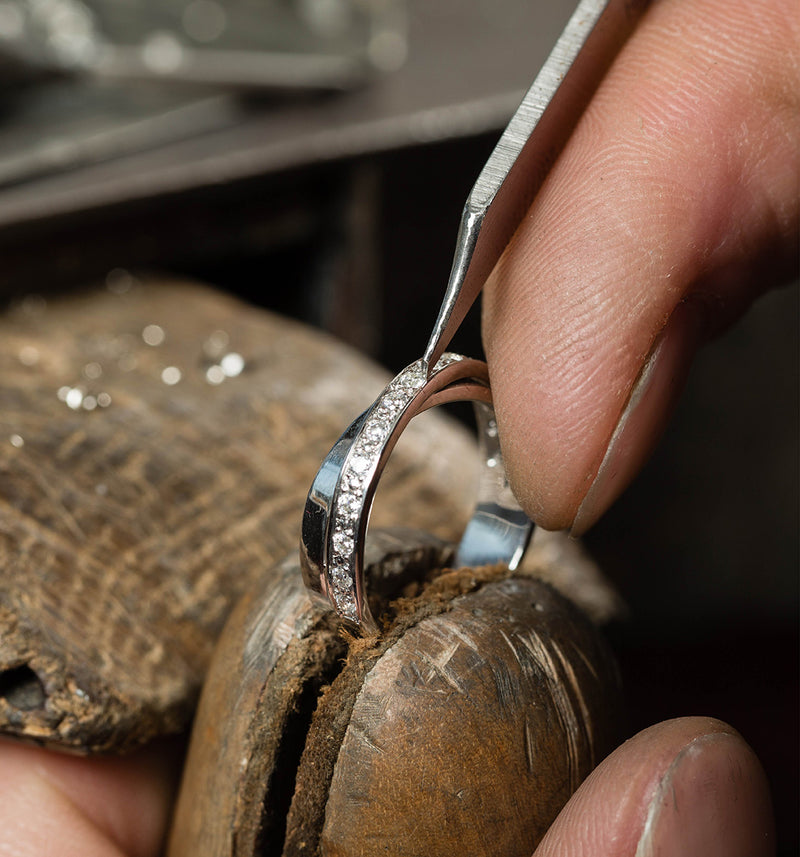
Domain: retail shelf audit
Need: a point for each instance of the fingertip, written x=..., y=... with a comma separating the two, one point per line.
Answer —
x=685, y=786
x=678, y=182
x=646, y=413
x=713, y=800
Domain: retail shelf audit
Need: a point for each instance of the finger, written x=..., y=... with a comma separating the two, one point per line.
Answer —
x=54, y=805
x=684, y=787
x=674, y=203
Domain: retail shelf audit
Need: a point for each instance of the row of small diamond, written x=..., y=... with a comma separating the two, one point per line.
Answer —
x=356, y=472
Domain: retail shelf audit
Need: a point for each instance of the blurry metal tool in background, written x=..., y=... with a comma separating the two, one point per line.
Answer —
x=88, y=81
x=338, y=505
x=268, y=44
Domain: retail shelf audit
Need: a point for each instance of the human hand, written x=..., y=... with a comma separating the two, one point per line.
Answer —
x=681, y=788
x=674, y=204
x=55, y=805
x=684, y=787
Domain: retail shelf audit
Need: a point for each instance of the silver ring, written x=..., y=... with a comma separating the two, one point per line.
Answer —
x=339, y=502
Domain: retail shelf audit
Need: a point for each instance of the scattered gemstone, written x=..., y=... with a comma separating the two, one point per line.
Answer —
x=232, y=364
x=215, y=375
x=171, y=375
x=74, y=398
x=92, y=371
x=103, y=399
x=28, y=355
x=17, y=440
x=89, y=403
x=128, y=362
x=153, y=335
x=216, y=343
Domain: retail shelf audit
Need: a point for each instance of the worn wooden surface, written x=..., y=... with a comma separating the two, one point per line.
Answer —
x=128, y=531
x=464, y=727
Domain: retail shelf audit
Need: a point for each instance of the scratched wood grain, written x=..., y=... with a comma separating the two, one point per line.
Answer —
x=473, y=729
x=134, y=511
x=463, y=728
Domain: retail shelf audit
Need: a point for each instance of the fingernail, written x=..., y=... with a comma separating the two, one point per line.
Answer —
x=712, y=801
x=649, y=405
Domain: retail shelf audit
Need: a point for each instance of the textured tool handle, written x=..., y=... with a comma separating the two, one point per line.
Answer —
x=527, y=149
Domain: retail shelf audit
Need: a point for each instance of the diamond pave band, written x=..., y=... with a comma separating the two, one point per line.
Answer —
x=338, y=504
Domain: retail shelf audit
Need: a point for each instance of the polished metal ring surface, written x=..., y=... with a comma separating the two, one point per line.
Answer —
x=338, y=505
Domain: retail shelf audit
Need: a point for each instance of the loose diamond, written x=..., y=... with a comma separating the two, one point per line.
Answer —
x=153, y=335
x=232, y=364
x=74, y=398
x=171, y=376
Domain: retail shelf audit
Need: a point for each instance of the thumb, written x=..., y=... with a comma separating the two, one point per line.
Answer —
x=672, y=207
x=689, y=786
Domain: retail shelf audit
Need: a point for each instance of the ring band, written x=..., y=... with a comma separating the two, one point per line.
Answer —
x=339, y=502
